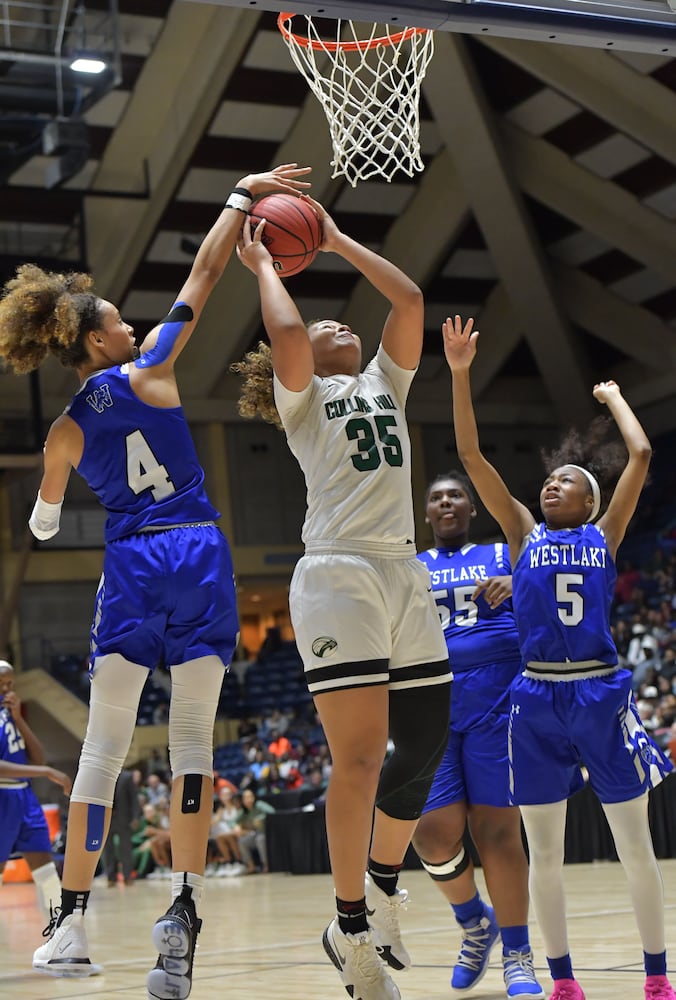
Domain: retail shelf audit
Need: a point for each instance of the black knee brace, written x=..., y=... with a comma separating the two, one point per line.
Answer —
x=419, y=720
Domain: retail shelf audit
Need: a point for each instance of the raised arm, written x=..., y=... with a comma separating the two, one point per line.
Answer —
x=514, y=519
x=628, y=490
x=402, y=336
x=292, y=358
x=163, y=344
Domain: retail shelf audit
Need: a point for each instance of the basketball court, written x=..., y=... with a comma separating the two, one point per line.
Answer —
x=261, y=939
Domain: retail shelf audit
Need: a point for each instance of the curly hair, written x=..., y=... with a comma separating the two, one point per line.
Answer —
x=45, y=312
x=605, y=460
x=256, y=395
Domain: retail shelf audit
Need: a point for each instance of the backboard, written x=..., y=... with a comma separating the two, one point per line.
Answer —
x=625, y=25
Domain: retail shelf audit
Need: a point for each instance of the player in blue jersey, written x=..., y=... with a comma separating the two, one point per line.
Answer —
x=573, y=703
x=361, y=607
x=167, y=591
x=23, y=827
x=472, y=586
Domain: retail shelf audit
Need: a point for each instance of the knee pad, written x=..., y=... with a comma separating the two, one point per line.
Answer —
x=113, y=707
x=419, y=720
x=195, y=690
x=448, y=870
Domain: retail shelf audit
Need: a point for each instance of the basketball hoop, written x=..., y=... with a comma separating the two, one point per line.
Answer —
x=369, y=89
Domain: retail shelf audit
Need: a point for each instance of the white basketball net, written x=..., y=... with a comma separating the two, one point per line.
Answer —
x=369, y=90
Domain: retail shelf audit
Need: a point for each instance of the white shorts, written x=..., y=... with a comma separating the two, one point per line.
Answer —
x=374, y=612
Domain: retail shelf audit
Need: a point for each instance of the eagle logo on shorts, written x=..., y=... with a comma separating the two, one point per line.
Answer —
x=324, y=646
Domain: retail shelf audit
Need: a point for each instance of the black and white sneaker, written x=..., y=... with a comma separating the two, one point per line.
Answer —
x=354, y=956
x=175, y=937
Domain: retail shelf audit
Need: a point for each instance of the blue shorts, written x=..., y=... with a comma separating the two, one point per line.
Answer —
x=555, y=726
x=166, y=596
x=475, y=766
x=23, y=827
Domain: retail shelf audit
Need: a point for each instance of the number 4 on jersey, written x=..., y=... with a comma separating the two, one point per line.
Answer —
x=144, y=472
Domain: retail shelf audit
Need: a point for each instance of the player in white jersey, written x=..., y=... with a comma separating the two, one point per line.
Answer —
x=573, y=701
x=361, y=603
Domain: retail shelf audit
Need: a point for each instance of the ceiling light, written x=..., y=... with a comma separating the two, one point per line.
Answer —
x=88, y=62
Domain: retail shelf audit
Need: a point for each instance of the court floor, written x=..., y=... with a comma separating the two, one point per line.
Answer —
x=261, y=939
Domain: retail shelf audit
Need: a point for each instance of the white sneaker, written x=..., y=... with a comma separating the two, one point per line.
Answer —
x=356, y=959
x=382, y=912
x=66, y=953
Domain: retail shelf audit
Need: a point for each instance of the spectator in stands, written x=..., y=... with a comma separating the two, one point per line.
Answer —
x=648, y=666
x=635, y=653
x=155, y=789
x=149, y=824
x=160, y=842
x=275, y=722
x=23, y=826
x=251, y=820
x=247, y=729
x=157, y=762
x=279, y=744
x=259, y=767
x=668, y=668
x=222, y=782
x=572, y=700
x=270, y=645
x=124, y=821
x=226, y=831
x=167, y=591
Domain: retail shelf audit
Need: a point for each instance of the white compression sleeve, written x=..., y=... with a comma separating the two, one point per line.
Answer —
x=44, y=521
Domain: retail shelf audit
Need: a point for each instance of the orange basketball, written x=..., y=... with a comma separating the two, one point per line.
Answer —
x=292, y=234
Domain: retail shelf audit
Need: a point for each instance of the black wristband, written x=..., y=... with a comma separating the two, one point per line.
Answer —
x=244, y=191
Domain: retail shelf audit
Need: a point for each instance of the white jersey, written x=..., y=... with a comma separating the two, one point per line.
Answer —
x=350, y=437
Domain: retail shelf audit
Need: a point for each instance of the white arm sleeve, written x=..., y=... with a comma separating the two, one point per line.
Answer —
x=44, y=521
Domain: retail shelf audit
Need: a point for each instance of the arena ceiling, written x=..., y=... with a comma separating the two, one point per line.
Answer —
x=546, y=208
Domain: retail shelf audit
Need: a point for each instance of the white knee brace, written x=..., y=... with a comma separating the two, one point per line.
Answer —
x=113, y=707
x=195, y=690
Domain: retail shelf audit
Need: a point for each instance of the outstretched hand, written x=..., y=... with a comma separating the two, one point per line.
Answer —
x=330, y=230
x=459, y=343
x=495, y=589
x=250, y=249
x=283, y=178
x=604, y=391
x=60, y=778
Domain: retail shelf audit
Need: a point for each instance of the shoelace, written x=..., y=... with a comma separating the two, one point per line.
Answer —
x=473, y=949
x=54, y=914
x=391, y=909
x=368, y=964
x=518, y=967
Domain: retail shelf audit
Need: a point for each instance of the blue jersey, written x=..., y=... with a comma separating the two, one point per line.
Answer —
x=138, y=459
x=475, y=633
x=12, y=746
x=562, y=587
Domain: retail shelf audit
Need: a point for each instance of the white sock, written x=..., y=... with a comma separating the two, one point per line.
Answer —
x=196, y=883
x=48, y=885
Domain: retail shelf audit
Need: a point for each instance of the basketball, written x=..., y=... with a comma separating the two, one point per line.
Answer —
x=292, y=233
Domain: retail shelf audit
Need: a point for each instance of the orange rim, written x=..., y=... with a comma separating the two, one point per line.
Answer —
x=284, y=20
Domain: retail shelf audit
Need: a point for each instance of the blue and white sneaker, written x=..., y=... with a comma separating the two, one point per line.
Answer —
x=478, y=937
x=520, y=976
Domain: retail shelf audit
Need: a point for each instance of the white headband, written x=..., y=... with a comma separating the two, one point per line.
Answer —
x=596, y=491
